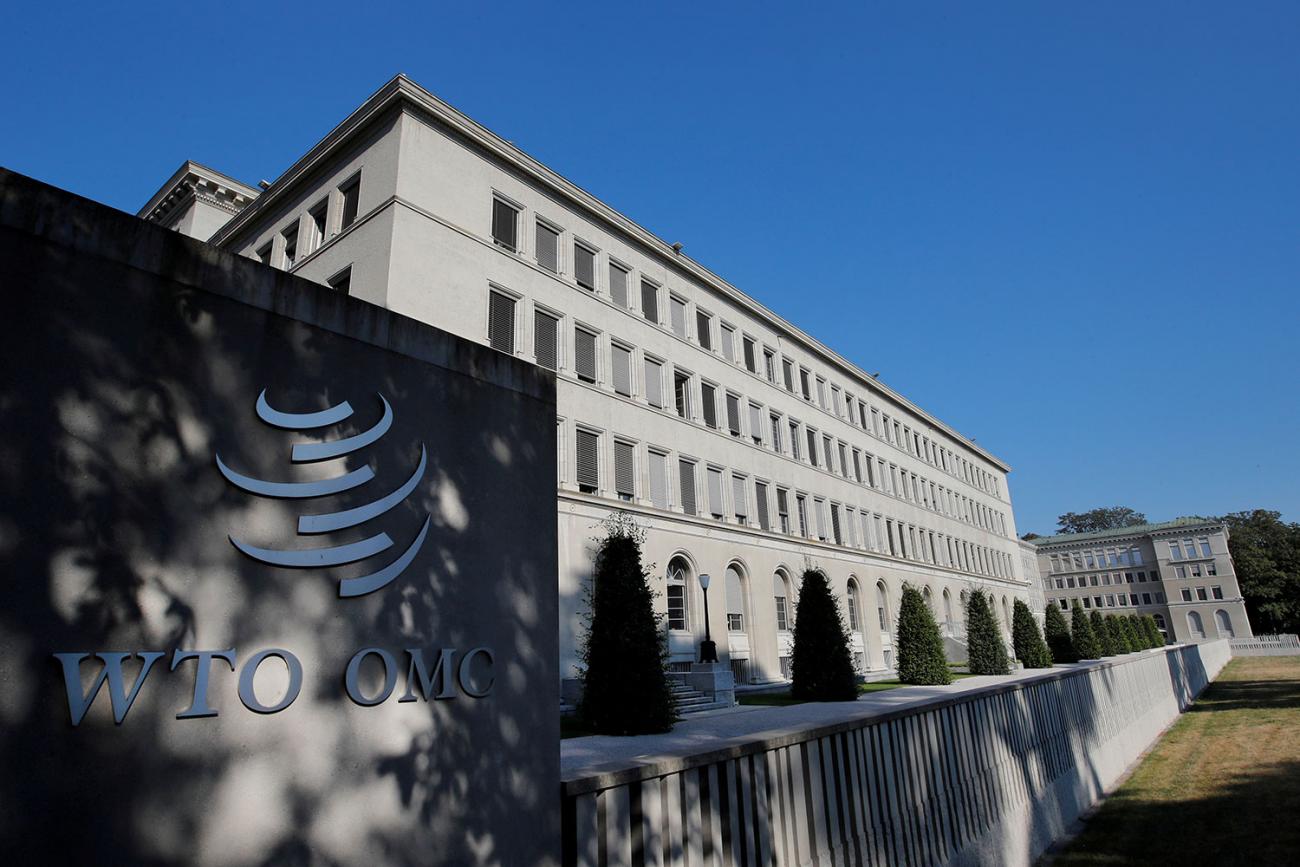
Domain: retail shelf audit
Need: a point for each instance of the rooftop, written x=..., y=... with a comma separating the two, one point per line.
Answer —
x=1136, y=530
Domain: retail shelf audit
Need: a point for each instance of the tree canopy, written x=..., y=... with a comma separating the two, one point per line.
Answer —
x=1266, y=555
x=920, y=646
x=1058, y=636
x=986, y=652
x=1103, y=518
x=821, y=668
x=1028, y=642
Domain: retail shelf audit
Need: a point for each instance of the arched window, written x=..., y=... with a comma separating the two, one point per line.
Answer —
x=929, y=599
x=781, y=589
x=1006, y=613
x=947, y=611
x=882, y=607
x=855, y=624
x=679, y=577
x=735, y=599
x=1223, y=623
x=1195, y=625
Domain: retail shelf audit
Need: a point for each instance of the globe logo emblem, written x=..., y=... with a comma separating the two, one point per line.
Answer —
x=319, y=523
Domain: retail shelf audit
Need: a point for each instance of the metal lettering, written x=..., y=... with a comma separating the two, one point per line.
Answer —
x=79, y=703
x=249, y=697
x=462, y=674
x=199, y=706
x=351, y=680
x=441, y=672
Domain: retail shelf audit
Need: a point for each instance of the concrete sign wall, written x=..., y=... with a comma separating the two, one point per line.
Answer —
x=279, y=566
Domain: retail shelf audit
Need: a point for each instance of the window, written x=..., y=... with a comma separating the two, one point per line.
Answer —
x=584, y=266
x=618, y=284
x=587, y=449
x=769, y=364
x=650, y=301
x=290, y=245
x=735, y=601
x=677, y=572
x=782, y=616
x=677, y=315
x=682, y=393
x=1175, y=552
x=1211, y=569
x=709, y=404
x=776, y=432
x=658, y=479
x=342, y=281
x=714, y=485
x=1224, y=624
x=584, y=354
x=728, y=342
x=733, y=414
x=1216, y=592
x=624, y=470
x=548, y=247
x=318, y=216
x=686, y=476
x=882, y=607
x=835, y=524
x=783, y=510
x=1206, y=551
x=1194, y=624
x=747, y=349
x=546, y=339
x=1201, y=595
x=264, y=254
x=812, y=445
x=794, y=439
x=739, y=500
x=501, y=322
x=787, y=371
x=654, y=383
x=760, y=503
x=821, y=393
x=621, y=367
x=804, y=387
x=756, y=424
x=351, y=192
x=801, y=507
x=853, y=605
x=704, y=329
x=505, y=225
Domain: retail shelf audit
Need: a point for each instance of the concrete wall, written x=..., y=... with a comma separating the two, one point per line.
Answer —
x=990, y=777
x=134, y=356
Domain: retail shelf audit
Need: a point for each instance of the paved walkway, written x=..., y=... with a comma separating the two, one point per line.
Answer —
x=725, y=729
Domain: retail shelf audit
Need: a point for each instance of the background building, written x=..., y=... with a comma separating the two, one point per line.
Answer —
x=747, y=449
x=1180, y=572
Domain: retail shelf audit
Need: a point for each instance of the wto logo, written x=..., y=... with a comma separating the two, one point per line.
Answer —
x=328, y=522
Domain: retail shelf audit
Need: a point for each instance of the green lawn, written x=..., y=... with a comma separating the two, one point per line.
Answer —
x=1221, y=787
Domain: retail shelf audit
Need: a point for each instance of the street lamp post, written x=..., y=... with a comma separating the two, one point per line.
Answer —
x=708, y=650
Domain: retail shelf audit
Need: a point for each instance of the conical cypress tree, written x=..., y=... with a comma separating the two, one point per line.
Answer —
x=920, y=646
x=1118, y=640
x=1153, y=629
x=1103, y=635
x=1058, y=636
x=821, y=668
x=984, y=648
x=1028, y=642
x=1135, y=642
x=1085, y=640
x=625, y=689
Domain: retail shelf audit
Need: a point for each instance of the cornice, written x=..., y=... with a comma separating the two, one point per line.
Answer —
x=402, y=92
x=192, y=180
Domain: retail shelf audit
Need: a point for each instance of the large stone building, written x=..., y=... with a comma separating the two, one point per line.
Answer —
x=746, y=448
x=1180, y=572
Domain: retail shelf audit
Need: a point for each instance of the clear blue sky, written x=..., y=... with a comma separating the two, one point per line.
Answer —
x=1068, y=230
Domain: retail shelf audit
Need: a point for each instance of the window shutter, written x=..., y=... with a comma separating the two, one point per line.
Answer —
x=650, y=301
x=728, y=343
x=622, y=370
x=501, y=322
x=548, y=248
x=812, y=446
x=584, y=266
x=588, y=460
x=760, y=497
x=738, y=499
x=733, y=415
x=703, y=330
x=654, y=383
x=677, y=316
x=835, y=524
x=782, y=502
x=749, y=355
x=659, y=480
x=584, y=354
x=546, y=340
x=686, y=473
x=819, y=512
x=756, y=423
x=618, y=285
x=624, y=469
x=503, y=224
x=710, y=401
x=715, y=492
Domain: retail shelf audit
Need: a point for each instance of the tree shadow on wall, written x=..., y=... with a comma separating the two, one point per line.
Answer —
x=113, y=537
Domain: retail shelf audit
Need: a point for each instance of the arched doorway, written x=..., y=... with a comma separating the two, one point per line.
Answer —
x=678, y=592
x=1194, y=625
x=1223, y=623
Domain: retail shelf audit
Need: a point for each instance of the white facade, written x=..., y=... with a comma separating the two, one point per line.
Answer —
x=408, y=204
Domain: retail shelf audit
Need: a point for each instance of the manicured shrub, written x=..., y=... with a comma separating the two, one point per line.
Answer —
x=625, y=689
x=1153, y=629
x=920, y=646
x=1136, y=642
x=984, y=648
x=1098, y=625
x=1058, y=636
x=1028, y=642
x=821, y=667
x=1118, y=640
x=1085, y=640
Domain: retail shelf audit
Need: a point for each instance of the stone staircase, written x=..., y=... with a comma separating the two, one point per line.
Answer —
x=691, y=701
